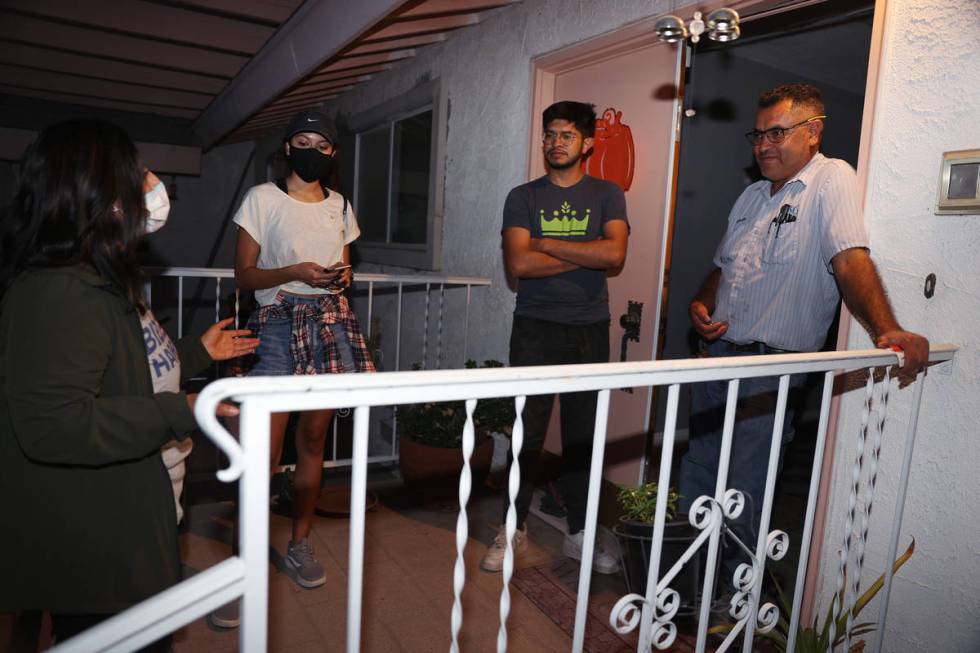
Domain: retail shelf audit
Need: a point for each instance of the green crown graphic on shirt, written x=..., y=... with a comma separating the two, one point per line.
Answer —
x=564, y=222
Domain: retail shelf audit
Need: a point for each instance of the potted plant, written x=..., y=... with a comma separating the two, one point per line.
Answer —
x=635, y=534
x=431, y=440
x=816, y=638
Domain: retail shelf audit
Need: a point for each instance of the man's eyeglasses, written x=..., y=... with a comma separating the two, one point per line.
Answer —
x=776, y=134
x=565, y=137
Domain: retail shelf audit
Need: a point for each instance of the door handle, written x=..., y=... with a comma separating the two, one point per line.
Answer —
x=630, y=321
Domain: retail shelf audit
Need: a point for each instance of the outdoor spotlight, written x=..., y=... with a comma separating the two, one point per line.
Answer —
x=723, y=37
x=721, y=25
x=723, y=20
x=670, y=29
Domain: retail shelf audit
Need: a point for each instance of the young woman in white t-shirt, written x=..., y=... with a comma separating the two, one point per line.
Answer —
x=293, y=251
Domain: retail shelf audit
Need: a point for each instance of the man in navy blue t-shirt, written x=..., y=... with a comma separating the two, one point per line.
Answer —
x=561, y=234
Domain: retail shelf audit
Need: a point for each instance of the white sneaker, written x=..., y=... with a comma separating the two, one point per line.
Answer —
x=603, y=562
x=493, y=559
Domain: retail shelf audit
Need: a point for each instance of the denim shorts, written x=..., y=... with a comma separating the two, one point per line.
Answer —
x=272, y=357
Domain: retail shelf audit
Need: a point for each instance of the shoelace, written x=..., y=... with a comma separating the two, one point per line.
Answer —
x=303, y=551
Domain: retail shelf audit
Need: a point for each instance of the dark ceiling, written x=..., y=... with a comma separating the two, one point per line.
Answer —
x=232, y=69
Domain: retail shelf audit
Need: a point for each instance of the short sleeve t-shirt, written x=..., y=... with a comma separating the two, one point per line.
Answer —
x=577, y=213
x=161, y=354
x=289, y=231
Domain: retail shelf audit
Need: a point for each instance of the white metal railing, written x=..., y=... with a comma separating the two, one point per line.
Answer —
x=653, y=613
x=433, y=315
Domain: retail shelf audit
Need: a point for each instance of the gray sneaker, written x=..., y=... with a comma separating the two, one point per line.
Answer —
x=301, y=558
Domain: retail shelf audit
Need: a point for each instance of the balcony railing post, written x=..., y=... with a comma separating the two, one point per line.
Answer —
x=764, y=544
x=180, y=307
x=358, y=492
x=647, y=630
x=466, y=323
x=811, y=507
x=591, y=519
x=903, y=486
x=462, y=525
x=721, y=485
x=510, y=521
x=254, y=519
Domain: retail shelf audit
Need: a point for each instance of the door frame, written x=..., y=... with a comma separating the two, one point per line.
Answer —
x=545, y=70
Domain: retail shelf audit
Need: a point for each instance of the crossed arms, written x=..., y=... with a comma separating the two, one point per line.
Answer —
x=530, y=258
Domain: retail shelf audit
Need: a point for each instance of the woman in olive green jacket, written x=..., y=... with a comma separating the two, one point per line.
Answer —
x=89, y=525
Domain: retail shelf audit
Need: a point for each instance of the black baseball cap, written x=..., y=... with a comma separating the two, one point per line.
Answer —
x=312, y=120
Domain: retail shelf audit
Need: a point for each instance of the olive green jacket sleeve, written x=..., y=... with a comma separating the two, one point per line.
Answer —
x=193, y=357
x=77, y=382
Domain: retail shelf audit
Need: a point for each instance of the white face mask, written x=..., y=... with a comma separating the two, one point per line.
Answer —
x=157, y=207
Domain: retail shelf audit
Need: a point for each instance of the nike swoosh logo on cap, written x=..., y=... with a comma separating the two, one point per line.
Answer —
x=312, y=120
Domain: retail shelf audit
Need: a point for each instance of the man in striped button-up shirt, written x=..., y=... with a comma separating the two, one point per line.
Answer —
x=795, y=244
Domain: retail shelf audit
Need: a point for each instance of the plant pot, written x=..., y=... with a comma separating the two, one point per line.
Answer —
x=433, y=472
x=635, y=540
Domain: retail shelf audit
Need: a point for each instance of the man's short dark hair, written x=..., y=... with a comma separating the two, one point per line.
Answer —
x=805, y=95
x=580, y=114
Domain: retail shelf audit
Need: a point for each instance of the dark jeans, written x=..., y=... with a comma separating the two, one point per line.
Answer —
x=539, y=342
x=751, y=440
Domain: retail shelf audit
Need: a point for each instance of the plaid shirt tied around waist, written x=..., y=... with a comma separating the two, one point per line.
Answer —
x=313, y=320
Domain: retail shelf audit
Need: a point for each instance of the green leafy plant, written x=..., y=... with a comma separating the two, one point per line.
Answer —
x=816, y=638
x=440, y=424
x=640, y=503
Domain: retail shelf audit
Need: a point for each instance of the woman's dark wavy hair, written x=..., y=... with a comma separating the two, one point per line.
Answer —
x=62, y=212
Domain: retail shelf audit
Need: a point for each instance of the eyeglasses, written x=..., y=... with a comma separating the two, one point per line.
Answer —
x=564, y=137
x=776, y=135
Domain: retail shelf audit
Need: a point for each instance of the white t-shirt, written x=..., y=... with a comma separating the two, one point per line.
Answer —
x=161, y=354
x=289, y=231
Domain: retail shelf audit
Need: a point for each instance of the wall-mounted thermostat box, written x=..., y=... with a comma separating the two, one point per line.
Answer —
x=959, y=182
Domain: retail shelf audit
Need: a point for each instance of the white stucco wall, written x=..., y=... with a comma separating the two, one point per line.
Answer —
x=487, y=72
x=928, y=103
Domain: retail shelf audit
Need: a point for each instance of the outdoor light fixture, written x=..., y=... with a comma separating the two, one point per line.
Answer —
x=670, y=29
x=722, y=25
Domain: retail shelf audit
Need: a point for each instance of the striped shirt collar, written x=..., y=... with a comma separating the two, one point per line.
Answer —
x=804, y=176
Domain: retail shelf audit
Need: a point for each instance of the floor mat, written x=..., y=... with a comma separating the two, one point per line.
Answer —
x=552, y=588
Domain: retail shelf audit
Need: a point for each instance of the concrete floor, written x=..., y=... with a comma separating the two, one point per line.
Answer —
x=409, y=557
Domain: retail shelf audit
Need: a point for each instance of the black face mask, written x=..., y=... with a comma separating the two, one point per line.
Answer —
x=309, y=163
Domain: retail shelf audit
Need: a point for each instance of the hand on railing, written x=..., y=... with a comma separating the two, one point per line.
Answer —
x=222, y=344
x=915, y=349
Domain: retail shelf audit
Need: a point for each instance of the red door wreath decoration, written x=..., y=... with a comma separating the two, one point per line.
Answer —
x=613, y=157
